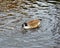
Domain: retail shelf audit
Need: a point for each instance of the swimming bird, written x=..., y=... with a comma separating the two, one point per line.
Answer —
x=31, y=24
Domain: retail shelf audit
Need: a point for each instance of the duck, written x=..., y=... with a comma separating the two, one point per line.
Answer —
x=32, y=24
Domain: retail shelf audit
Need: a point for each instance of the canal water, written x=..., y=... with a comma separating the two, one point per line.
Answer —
x=12, y=35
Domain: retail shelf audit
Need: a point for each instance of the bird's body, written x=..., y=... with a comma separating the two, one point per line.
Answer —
x=31, y=24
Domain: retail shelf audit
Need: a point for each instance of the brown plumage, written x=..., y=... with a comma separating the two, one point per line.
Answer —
x=32, y=24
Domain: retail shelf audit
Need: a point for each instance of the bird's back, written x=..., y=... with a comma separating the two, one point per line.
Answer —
x=34, y=23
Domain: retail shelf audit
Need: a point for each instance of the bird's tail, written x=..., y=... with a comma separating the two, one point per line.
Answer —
x=40, y=19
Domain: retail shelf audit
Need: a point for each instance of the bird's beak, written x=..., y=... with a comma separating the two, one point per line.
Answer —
x=22, y=25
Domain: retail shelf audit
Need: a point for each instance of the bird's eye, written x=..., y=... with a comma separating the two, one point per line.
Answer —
x=25, y=24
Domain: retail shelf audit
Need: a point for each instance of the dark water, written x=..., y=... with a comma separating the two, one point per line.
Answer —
x=47, y=36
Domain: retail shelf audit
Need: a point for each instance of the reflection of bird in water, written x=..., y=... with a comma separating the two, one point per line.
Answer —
x=32, y=24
